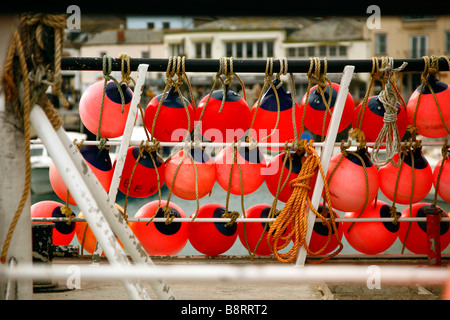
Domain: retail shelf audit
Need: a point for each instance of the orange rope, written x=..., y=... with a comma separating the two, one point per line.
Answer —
x=294, y=216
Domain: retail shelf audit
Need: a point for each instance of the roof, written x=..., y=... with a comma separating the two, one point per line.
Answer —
x=255, y=23
x=130, y=36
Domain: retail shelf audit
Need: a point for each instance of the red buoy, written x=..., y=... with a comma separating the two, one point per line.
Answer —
x=99, y=162
x=144, y=181
x=267, y=114
x=159, y=238
x=319, y=235
x=252, y=233
x=371, y=237
x=373, y=119
x=316, y=110
x=186, y=179
x=415, y=232
x=113, y=119
x=423, y=178
x=173, y=122
x=348, y=183
x=227, y=125
x=443, y=189
x=63, y=232
x=428, y=118
x=275, y=169
x=251, y=162
x=211, y=238
x=86, y=236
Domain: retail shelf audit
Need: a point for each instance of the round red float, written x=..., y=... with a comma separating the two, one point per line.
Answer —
x=251, y=233
x=185, y=181
x=113, y=119
x=63, y=232
x=316, y=110
x=144, y=181
x=416, y=237
x=371, y=237
x=319, y=235
x=251, y=161
x=99, y=162
x=211, y=238
x=423, y=178
x=444, y=180
x=275, y=169
x=86, y=236
x=159, y=238
x=372, y=121
x=267, y=114
x=348, y=183
x=228, y=125
x=172, y=123
x=428, y=119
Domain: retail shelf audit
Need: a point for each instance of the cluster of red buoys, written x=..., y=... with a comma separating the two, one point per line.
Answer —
x=354, y=181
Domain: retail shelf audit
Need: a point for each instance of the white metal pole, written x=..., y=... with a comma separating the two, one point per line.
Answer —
x=77, y=186
x=325, y=156
x=120, y=160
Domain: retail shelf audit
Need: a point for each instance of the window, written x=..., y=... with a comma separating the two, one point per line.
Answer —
x=447, y=41
x=249, y=49
x=150, y=25
x=322, y=51
x=176, y=49
x=419, y=45
x=166, y=25
x=202, y=50
x=381, y=43
x=145, y=54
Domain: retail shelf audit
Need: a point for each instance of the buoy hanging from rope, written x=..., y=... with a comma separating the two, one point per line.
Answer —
x=197, y=170
x=173, y=121
x=352, y=180
x=319, y=236
x=97, y=159
x=253, y=235
x=373, y=120
x=211, y=238
x=143, y=172
x=225, y=122
x=371, y=237
x=279, y=166
x=428, y=108
x=63, y=232
x=273, y=120
x=319, y=108
x=161, y=238
x=409, y=182
x=112, y=117
x=85, y=235
x=245, y=164
x=413, y=234
x=441, y=178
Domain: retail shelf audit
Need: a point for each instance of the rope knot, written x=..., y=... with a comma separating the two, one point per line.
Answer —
x=230, y=214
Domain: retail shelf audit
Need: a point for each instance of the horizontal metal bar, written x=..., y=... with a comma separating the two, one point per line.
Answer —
x=247, y=220
x=329, y=273
x=241, y=65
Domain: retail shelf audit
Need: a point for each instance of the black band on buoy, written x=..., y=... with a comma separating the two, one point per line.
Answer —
x=269, y=99
x=171, y=228
x=316, y=102
x=222, y=227
x=422, y=213
x=112, y=92
x=146, y=159
x=97, y=157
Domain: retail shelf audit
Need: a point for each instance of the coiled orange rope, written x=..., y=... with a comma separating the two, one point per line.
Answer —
x=294, y=215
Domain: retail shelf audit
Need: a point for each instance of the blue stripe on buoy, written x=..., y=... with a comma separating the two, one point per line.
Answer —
x=422, y=213
x=420, y=162
x=316, y=102
x=251, y=155
x=199, y=155
x=171, y=228
x=269, y=100
x=112, y=92
x=99, y=158
x=222, y=227
x=146, y=159
x=63, y=227
x=363, y=154
x=173, y=99
x=436, y=85
x=385, y=212
x=230, y=96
